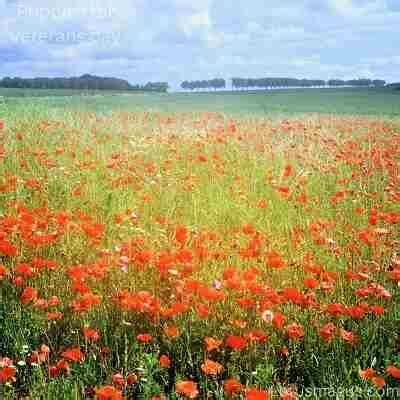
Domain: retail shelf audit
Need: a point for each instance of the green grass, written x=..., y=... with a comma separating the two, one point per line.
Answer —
x=125, y=170
x=350, y=101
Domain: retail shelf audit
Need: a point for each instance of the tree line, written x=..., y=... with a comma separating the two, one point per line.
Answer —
x=395, y=85
x=266, y=83
x=92, y=82
x=204, y=84
x=269, y=83
x=84, y=82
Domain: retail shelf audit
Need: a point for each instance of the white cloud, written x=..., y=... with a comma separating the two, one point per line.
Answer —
x=174, y=39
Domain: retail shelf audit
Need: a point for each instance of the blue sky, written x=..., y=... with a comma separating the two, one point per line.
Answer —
x=174, y=40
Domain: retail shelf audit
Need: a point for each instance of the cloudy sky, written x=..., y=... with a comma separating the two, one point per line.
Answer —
x=174, y=40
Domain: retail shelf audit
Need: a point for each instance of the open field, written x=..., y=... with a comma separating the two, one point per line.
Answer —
x=350, y=101
x=150, y=249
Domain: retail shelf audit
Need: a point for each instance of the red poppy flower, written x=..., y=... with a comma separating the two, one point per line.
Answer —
x=393, y=371
x=73, y=354
x=91, y=334
x=232, y=386
x=164, y=361
x=108, y=393
x=367, y=374
x=327, y=332
x=144, y=337
x=187, y=388
x=295, y=331
x=7, y=373
x=3, y=271
x=236, y=342
x=212, y=344
x=210, y=367
x=118, y=380
x=256, y=394
x=28, y=295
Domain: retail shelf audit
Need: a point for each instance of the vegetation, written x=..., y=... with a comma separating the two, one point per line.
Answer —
x=282, y=103
x=240, y=83
x=210, y=84
x=269, y=83
x=357, y=82
x=395, y=85
x=84, y=82
x=153, y=255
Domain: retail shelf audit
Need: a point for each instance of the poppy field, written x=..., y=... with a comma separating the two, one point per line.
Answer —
x=151, y=255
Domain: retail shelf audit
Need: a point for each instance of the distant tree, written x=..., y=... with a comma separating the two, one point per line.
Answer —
x=379, y=82
x=204, y=84
x=395, y=85
x=265, y=83
x=84, y=82
x=359, y=82
x=336, y=82
x=156, y=86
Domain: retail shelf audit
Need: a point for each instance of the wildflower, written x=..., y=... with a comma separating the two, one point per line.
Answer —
x=377, y=310
x=144, y=337
x=131, y=379
x=55, y=370
x=51, y=316
x=267, y=316
x=212, y=344
x=118, y=380
x=40, y=356
x=232, y=386
x=288, y=171
x=378, y=381
x=28, y=295
x=284, y=351
x=311, y=283
x=210, y=367
x=108, y=393
x=7, y=370
x=203, y=311
x=236, y=342
x=336, y=309
x=327, y=332
x=7, y=248
x=164, y=361
x=3, y=272
x=181, y=234
x=24, y=269
x=278, y=320
x=91, y=334
x=295, y=331
x=367, y=374
x=275, y=260
x=171, y=331
x=257, y=335
x=256, y=394
x=94, y=231
x=187, y=388
x=73, y=354
x=262, y=204
x=356, y=312
x=393, y=371
x=348, y=336
x=85, y=302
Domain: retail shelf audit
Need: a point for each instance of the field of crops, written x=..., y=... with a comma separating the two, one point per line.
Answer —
x=275, y=103
x=167, y=250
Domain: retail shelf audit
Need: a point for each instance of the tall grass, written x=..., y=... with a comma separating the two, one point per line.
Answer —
x=158, y=231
